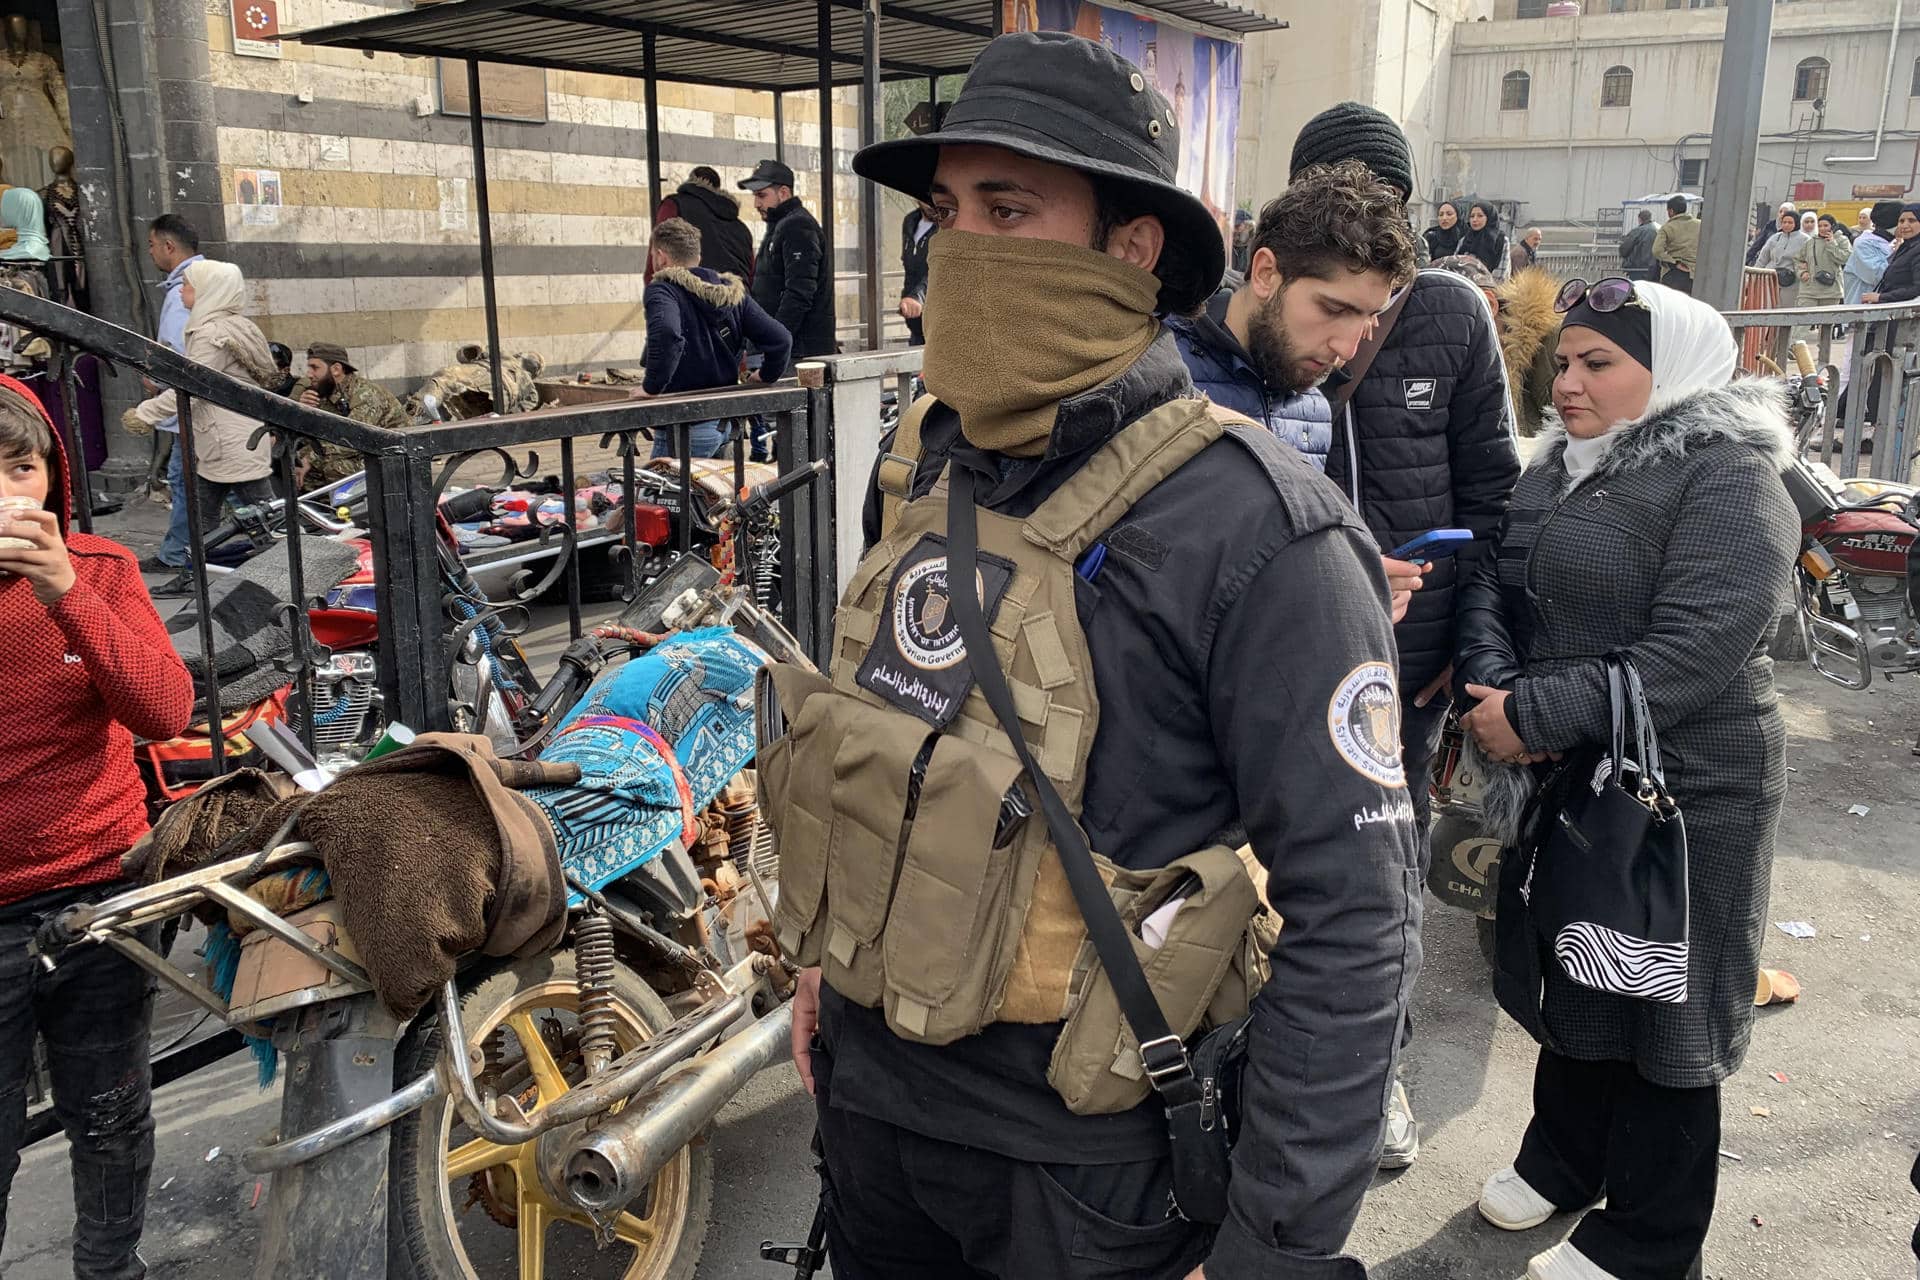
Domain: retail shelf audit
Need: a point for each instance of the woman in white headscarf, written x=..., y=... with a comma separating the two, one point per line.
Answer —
x=222, y=338
x=1617, y=540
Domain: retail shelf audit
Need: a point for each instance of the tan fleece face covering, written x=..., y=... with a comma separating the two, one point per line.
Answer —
x=1014, y=326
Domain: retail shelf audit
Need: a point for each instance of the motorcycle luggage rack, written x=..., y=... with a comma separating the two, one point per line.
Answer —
x=115, y=922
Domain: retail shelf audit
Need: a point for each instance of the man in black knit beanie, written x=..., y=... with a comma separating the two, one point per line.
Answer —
x=1424, y=441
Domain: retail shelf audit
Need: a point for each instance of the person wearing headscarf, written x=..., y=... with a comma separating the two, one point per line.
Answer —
x=23, y=263
x=1823, y=259
x=1485, y=240
x=1444, y=236
x=1765, y=233
x=1781, y=255
x=1871, y=249
x=1615, y=543
x=219, y=336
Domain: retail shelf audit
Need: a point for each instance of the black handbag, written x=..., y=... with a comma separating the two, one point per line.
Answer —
x=1200, y=1090
x=1607, y=890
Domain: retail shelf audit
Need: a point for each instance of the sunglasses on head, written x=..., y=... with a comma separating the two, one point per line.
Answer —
x=1604, y=296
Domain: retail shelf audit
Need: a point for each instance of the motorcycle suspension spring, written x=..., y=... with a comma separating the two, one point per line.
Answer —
x=594, y=969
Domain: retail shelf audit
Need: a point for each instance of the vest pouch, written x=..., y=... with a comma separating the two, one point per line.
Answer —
x=958, y=910
x=1096, y=1065
x=797, y=712
x=874, y=764
x=1253, y=964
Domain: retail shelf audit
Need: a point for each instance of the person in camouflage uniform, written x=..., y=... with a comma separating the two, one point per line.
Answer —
x=464, y=389
x=333, y=384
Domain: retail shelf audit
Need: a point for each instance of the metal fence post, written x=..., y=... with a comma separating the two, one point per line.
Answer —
x=406, y=573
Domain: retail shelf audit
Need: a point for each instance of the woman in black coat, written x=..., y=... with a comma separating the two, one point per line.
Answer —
x=1900, y=282
x=1444, y=236
x=1653, y=522
x=1484, y=239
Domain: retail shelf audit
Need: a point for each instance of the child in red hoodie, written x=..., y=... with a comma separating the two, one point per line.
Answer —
x=84, y=665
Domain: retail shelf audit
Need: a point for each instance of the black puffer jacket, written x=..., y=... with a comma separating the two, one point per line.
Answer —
x=1901, y=280
x=1427, y=443
x=726, y=245
x=792, y=281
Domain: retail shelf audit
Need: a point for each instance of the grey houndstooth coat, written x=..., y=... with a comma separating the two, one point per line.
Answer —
x=1675, y=550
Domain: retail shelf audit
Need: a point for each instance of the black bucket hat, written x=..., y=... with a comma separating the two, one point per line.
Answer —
x=1052, y=96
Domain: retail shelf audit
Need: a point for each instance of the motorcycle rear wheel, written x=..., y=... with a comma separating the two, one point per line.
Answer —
x=461, y=1208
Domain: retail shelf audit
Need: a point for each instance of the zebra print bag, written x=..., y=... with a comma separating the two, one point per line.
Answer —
x=1608, y=889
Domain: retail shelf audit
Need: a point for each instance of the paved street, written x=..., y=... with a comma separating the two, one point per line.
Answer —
x=1816, y=1189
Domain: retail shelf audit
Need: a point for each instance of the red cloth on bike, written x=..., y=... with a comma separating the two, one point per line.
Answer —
x=77, y=681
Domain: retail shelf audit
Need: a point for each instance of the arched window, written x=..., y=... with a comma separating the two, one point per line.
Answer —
x=1515, y=88
x=1915, y=91
x=1616, y=87
x=1810, y=79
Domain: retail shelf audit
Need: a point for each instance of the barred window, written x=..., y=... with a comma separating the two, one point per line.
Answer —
x=1515, y=88
x=1616, y=87
x=1810, y=79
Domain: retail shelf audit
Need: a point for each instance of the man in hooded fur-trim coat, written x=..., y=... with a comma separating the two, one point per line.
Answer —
x=698, y=322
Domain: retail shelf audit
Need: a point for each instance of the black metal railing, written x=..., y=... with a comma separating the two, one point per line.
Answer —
x=406, y=474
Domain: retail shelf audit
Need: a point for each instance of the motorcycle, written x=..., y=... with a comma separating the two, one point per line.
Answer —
x=1857, y=581
x=559, y=1095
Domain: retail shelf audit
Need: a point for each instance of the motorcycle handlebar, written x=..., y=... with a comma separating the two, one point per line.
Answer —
x=1803, y=359
x=761, y=495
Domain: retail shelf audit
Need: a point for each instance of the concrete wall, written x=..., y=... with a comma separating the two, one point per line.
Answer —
x=1566, y=155
x=1392, y=54
x=362, y=253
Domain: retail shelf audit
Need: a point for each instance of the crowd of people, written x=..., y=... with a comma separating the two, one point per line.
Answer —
x=1101, y=391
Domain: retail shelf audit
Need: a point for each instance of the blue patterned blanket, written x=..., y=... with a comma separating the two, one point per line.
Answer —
x=655, y=741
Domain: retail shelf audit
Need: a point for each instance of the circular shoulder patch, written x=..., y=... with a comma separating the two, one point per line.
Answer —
x=923, y=623
x=1363, y=719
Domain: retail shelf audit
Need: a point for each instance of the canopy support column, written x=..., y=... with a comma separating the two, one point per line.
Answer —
x=780, y=126
x=823, y=23
x=477, y=128
x=655, y=190
x=870, y=283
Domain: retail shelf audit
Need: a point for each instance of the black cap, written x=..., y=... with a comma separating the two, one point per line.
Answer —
x=768, y=173
x=1052, y=96
x=1355, y=131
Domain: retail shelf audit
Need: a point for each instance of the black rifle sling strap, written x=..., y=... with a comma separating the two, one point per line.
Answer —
x=1161, y=1052
x=1356, y=368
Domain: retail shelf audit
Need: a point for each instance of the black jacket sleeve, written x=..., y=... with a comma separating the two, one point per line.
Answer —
x=1482, y=457
x=665, y=342
x=769, y=338
x=1340, y=852
x=1484, y=652
x=801, y=253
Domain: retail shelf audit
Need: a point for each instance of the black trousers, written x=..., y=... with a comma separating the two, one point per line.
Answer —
x=1675, y=278
x=93, y=1010
x=1420, y=729
x=906, y=1205
x=1599, y=1129
x=211, y=496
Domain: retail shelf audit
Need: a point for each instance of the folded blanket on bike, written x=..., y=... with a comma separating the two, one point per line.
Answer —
x=250, y=627
x=434, y=852
x=207, y=826
x=655, y=742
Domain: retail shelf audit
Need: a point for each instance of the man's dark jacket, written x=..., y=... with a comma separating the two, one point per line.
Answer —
x=1636, y=249
x=793, y=281
x=1204, y=733
x=1427, y=442
x=913, y=265
x=725, y=243
x=698, y=322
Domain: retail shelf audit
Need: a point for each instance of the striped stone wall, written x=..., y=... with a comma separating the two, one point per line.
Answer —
x=360, y=253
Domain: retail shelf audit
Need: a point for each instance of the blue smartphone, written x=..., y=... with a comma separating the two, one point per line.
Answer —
x=1432, y=545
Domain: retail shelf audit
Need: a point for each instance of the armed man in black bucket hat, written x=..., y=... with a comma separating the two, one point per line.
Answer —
x=1175, y=643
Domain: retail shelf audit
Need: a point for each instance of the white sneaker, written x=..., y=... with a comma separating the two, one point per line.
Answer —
x=1564, y=1262
x=1511, y=1205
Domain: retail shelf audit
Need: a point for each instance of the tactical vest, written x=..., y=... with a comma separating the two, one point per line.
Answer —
x=915, y=869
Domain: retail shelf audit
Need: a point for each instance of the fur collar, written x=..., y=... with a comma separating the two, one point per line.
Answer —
x=727, y=291
x=1752, y=411
x=1527, y=320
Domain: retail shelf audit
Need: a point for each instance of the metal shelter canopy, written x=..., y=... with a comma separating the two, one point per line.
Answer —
x=768, y=46
x=763, y=45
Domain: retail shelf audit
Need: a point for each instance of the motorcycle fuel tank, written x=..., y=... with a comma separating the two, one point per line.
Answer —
x=1869, y=543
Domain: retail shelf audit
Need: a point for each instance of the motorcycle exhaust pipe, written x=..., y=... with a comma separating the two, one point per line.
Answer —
x=613, y=1164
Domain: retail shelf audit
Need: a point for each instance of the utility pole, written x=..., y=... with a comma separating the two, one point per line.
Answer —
x=1731, y=156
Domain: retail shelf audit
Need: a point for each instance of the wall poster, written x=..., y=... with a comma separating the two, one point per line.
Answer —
x=506, y=92
x=1198, y=74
